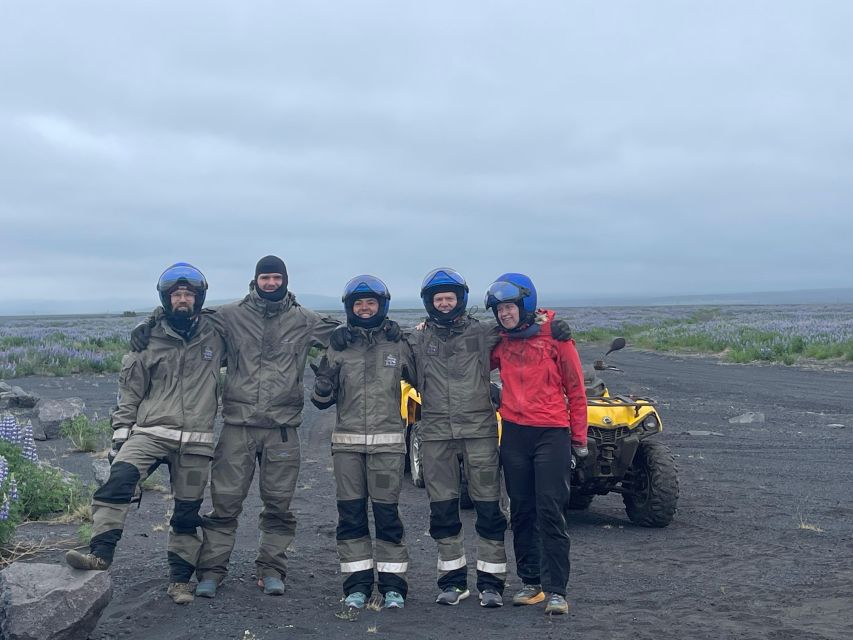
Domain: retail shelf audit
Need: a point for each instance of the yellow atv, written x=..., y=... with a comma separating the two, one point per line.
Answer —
x=623, y=458
x=410, y=409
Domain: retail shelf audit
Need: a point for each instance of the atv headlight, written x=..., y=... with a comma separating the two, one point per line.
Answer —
x=651, y=424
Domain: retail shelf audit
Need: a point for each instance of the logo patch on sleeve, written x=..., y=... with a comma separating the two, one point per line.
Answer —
x=208, y=354
x=390, y=360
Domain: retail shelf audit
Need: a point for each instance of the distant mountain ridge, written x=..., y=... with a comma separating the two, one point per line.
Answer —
x=332, y=303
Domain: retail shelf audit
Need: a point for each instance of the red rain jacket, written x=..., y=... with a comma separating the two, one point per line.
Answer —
x=542, y=381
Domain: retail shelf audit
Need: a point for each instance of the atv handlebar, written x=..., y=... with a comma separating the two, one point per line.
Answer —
x=600, y=365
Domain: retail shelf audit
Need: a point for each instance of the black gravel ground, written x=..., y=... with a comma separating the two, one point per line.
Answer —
x=761, y=546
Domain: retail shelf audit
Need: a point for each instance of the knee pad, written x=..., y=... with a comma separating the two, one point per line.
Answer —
x=388, y=525
x=444, y=519
x=186, y=518
x=119, y=488
x=352, y=519
x=491, y=522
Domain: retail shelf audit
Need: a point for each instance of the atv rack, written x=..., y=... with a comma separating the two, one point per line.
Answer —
x=622, y=401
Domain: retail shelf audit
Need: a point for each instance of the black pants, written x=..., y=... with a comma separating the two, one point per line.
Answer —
x=537, y=466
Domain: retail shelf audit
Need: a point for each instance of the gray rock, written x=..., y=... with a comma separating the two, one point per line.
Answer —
x=4, y=387
x=52, y=413
x=25, y=399
x=38, y=430
x=101, y=469
x=15, y=397
x=702, y=433
x=749, y=417
x=51, y=601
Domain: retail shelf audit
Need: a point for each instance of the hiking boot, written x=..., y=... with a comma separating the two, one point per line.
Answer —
x=180, y=592
x=86, y=561
x=356, y=600
x=529, y=594
x=557, y=605
x=206, y=588
x=272, y=586
x=452, y=595
x=394, y=600
x=490, y=599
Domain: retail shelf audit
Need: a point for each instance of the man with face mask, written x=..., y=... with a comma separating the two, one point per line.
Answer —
x=268, y=336
x=166, y=407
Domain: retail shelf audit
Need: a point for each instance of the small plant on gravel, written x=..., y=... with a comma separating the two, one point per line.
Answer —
x=85, y=532
x=85, y=434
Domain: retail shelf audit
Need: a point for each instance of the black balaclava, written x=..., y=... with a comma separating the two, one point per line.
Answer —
x=271, y=264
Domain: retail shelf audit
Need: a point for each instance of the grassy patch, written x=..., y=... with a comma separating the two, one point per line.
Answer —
x=85, y=434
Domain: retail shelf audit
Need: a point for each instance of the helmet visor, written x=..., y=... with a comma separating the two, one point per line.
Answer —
x=182, y=274
x=443, y=276
x=369, y=286
x=503, y=291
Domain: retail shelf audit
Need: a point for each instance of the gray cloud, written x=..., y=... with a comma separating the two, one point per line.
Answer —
x=663, y=148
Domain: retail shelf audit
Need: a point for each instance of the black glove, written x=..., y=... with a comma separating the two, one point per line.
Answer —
x=116, y=445
x=560, y=330
x=393, y=331
x=340, y=338
x=325, y=377
x=495, y=391
x=141, y=334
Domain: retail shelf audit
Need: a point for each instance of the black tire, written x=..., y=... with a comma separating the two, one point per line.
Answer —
x=416, y=461
x=651, y=486
x=580, y=501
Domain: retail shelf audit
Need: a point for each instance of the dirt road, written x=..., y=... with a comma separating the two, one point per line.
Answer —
x=761, y=546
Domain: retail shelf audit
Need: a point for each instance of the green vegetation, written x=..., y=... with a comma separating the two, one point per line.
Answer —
x=43, y=491
x=85, y=434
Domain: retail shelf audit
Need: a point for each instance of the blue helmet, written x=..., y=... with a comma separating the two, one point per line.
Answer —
x=182, y=274
x=443, y=280
x=517, y=288
x=365, y=286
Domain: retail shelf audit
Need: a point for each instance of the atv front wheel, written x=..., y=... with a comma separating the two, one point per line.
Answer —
x=416, y=461
x=580, y=501
x=651, y=486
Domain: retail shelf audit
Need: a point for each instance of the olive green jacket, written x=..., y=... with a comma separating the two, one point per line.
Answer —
x=368, y=393
x=452, y=366
x=268, y=345
x=170, y=390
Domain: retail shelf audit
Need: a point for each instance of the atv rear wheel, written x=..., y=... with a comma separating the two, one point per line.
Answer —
x=651, y=486
x=416, y=461
x=580, y=501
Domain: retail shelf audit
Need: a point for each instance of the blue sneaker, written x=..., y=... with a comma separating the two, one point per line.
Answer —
x=356, y=600
x=394, y=600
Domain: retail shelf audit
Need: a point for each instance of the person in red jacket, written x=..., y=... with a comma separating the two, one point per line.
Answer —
x=543, y=407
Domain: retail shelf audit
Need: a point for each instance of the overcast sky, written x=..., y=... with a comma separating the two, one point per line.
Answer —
x=661, y=147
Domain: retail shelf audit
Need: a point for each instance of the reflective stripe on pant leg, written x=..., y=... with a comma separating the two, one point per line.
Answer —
x=139, y=456
x=441, y=475
x=354, y=546
x=483, y=471
x=230, y=478
x=189, y=474
x=279, y=471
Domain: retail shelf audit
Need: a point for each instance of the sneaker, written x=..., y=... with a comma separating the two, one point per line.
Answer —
x=491, y=599
x=272, y=586
x=356, y=600
x=557, y=605
x=452, y=595
x=394, y=600
x=529, y=594
x=86, y=561
x=180, y=592
x=206, y=588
